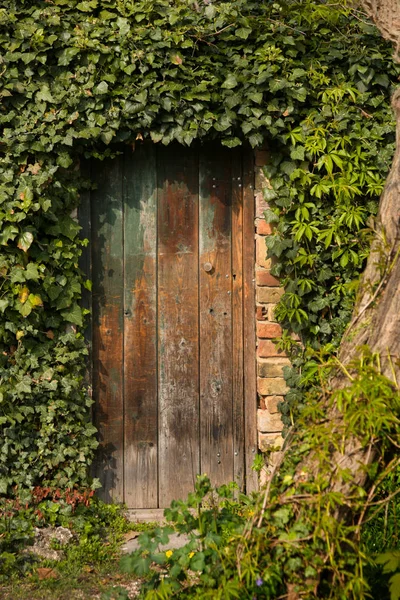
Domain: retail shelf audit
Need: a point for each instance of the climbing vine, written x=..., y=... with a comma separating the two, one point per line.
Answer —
x=77, y=77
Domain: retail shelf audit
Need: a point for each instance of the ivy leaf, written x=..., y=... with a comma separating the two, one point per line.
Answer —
x=67, y=55
x=44, y=94
x=243, y=32
x=231, y=142
x=4, y=302
x=102, y=88
x=297, y=153
x=123, y=25
x=107, y=136
x=230, y=82
x=35, y=300
x=73, y=315
x=24, y=386
x=87, y=5
x=23, y=295
x=64, y=160
x=9, y=233
x=176, y=59
x=31, y=271
x=270, y=216
x=156, y=136
x=25, y=241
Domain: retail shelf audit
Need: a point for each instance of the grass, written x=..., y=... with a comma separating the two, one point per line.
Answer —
x=89, y=564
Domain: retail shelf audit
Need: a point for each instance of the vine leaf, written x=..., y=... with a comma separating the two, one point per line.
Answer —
x=25, y=241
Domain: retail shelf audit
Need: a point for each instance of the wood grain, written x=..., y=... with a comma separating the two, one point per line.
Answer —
x=178, y=350
x=107, y=297
x=140, y=336
x=216, y=424
x=237, y=318
x=249, y=322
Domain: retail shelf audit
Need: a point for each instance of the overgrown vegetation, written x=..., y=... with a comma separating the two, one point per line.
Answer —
x=298, y=535
x=311, y=79
x=87, y=563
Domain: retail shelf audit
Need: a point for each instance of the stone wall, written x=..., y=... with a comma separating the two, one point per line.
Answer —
x=271, y=387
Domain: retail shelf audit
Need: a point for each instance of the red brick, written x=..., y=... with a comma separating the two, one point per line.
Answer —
x=263, y=405
x=264, y=278
x=268, y=330
x=261, y=313
x=264, y=228
x=267, y=348
x=261, y=205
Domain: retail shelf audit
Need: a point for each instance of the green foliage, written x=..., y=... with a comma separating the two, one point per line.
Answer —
x=78, y=76
x=97, y=529
x=212, y=520
x=326, y=173
x=304, y=531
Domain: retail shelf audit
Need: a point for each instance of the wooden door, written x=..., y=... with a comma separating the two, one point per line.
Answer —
x=173, y=343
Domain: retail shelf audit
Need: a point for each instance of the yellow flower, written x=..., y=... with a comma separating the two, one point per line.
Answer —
x=191, y=554
x=168, y=553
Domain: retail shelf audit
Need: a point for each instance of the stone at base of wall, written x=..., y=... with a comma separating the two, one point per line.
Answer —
x=270, y=441
x=272, y=386
x=267, y=422
x=271, y=367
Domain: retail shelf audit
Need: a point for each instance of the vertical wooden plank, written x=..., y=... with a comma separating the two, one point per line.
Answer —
x=237, y=318
x=107, y=240
x=140, y=318
x=177, y=172
x=249, y=321
x=216, y=424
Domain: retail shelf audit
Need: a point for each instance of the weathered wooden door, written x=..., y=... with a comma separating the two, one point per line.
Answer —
x=172, y=238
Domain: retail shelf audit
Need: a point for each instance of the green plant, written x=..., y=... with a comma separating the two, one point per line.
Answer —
x=297, y=534
x=92, y=522
x=77, y=76
x=212, y=520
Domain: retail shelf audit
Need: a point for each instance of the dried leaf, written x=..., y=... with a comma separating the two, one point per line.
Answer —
x=47, y=573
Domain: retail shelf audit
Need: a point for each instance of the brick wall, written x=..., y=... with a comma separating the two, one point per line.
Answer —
x=271, y=387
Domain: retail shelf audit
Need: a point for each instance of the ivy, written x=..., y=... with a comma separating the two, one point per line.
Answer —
x=80, y=77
